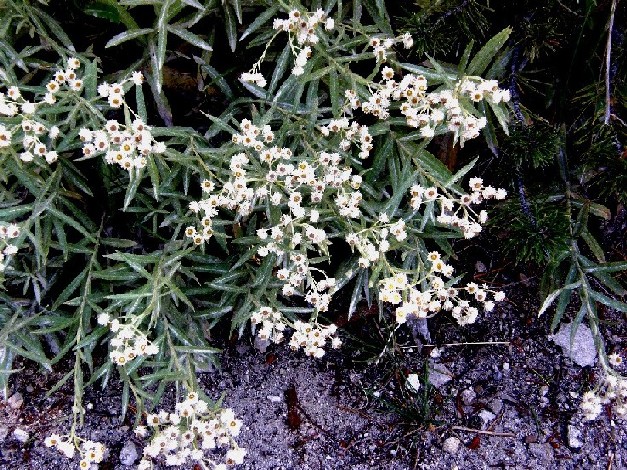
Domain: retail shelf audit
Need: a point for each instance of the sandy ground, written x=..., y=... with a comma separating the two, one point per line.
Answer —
x=492, y=406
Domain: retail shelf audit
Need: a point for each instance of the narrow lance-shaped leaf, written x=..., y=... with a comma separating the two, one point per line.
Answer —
x=127, y=36
x=553, y=295
x=488, y=52
x=190, y=37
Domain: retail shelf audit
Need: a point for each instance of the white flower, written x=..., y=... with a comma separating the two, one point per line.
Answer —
x=103, y=89
x=137, y=78
x=615, y=359
x=51, y=157
x=28, y=107
x=73, y=63
x=10, y=250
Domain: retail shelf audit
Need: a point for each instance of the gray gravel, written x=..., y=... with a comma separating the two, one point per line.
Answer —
x=523, y=397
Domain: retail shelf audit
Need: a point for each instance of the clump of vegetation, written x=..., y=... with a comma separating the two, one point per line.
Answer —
x=307, y=174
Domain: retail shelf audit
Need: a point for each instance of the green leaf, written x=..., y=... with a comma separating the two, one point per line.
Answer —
x=425, y=161
x=231, y=27
x=280, y=68
x=141, y=103
x=153, y=171
x=127, y=36
x=162, y=42
x=90, y=79
x=356, y=295
x=90, y=339
x=501, y=116
x=118, y=242
x=237, y=7
x=553, y=295
x=112, y=11
x=463, y=63
x=218, y=79
x=612, y=303
x=334, y=91
x=70, y=288
x=461, y=173
x=131, y=190
x=190, y=37
x=262, y=19
x=72, y=223
x=564, y=298
x=488, y=52
x=594, y=246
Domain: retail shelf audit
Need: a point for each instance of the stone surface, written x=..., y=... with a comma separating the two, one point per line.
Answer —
x=439, y=375
x=21, y=435
x=16, y=401
x=451, y=445
x=4, y=432
x=128, y=454
x=543, y=452
x=496, y=405
x=574, y=437
x=583, y=350
x=468, y=396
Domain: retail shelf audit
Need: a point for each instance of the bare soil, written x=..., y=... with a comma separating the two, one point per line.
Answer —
x=510, y=405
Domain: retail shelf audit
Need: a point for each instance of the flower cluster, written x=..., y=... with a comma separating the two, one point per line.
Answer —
x=456, y=212
x=413, y=299
x=430, y=112
x=272, y=326
x=90, y=452
x=114, y=92
x=128, y=147
x=189, y=433
x=36, y=137
x=7, y=249
x=293, y=180
x=381, y=45
x=612, y=390
x=128, y=342
x=33, y=146
x=302, y=28
x=13, y=103
x=313, y=337
x=351, y=132
x=66, y=77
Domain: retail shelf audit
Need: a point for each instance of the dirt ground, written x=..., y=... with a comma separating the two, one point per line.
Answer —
x=490, y=405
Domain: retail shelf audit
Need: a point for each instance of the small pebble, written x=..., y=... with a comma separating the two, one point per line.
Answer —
x=496, y=405
x=128, y=454
x=486, y=416
x=16, y=401
x=4, y=432
x=21, y=435
x=574, y=437
x=468, y=396
x=451, y=445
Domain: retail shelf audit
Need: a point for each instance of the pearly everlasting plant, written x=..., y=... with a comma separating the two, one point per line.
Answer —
x=306, y=188
x=192, y=433
x=320, y=185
